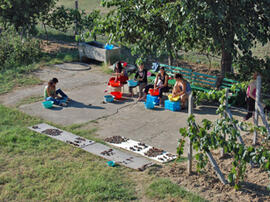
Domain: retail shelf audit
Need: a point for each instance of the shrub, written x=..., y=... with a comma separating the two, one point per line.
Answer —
x=16, y=50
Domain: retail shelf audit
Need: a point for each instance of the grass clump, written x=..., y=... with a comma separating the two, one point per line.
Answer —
x=164, y=189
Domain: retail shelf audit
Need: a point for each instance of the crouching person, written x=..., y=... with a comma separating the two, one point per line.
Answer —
x=181, y=88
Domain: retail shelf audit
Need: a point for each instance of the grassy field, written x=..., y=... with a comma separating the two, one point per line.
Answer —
x=34, y=167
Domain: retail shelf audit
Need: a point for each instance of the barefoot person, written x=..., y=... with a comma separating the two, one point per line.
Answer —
x=51, y=94
x=181, y=88
x=161, y=83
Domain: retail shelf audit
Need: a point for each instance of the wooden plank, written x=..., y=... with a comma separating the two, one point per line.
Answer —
x=202, y=82
x=206, y=75
x=230, y=80
x=179, y=68
x=204, y=79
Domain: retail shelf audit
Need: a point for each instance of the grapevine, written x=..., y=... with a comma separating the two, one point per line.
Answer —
x=210, y=136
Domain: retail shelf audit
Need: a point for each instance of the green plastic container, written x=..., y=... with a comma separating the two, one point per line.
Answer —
x=47, y=104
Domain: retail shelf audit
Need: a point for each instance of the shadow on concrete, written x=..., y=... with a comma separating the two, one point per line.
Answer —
x=56, y=108
x=208, y=109
x=76, y=104
x=158, y=109
x=204, y=110
x=123, y=101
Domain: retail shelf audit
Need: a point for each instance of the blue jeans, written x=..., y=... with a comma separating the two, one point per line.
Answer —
x=57, y=101
x=59, y=91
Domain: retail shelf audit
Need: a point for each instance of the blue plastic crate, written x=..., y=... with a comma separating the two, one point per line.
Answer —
x=172, y=106
x=154, y=99
x=149, y=105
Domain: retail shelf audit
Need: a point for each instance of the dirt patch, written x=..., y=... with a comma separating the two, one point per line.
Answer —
x=200, y=68
x=57, y=46
x=208, y=186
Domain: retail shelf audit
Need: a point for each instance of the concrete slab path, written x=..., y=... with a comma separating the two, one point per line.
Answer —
x=127, y=118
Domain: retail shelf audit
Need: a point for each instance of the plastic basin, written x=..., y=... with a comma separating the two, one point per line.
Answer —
x=108, y=98
x=117, y=95
x=114, y=83
x=173, y=99
x=132, y=83
x=109, y=46
x=154, y=92
x=111, y=163
x=47, y=104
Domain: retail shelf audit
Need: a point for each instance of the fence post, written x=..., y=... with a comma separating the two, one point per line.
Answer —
x=258, y=94
x=76, y=21
x=190, y=112
x=224, y=114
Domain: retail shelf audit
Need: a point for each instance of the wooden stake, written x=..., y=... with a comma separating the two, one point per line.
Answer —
x=190, y=112
x=76, y=22
x=222, y=152
x=258, y=93
x=216, y=168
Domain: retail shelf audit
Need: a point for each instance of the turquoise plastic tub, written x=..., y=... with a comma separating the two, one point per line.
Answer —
x=108, y=98
x=132, y=83
x=111, y=163
x=47, y=104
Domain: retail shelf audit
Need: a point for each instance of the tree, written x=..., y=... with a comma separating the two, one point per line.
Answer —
x=23, y=14
x=143, y=25
x=228, y=27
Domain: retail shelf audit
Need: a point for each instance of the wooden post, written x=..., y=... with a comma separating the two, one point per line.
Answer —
x=258, y=93
x=224, y=114
x=240, y=139
x=76, y=22
x=216, y=168
x=190, y=112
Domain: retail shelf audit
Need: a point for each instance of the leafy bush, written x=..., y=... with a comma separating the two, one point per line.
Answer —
x=16, y=51
x=247, y=65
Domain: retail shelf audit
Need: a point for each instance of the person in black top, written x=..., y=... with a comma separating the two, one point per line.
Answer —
x=161, y=83
x=141, y=77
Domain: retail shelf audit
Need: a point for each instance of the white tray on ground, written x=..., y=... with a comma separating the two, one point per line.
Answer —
x=137, y=147
x=64, y=136
x=120, y=157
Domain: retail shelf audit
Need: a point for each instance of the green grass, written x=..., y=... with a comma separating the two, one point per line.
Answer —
x=17, y=77
x=164, y=189
x=22, y=76
x=34, y=167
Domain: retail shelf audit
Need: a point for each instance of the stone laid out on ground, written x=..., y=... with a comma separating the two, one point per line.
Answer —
x=141, y=148
x=61, y=135
x=120, y=157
